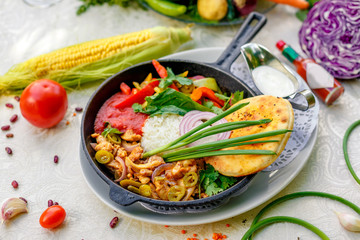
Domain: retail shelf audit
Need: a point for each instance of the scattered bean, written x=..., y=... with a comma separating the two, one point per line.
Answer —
x=114, y=222
x=9, y=135
x=23, y=199
x=56, y=159
x=17, y=98
x=56, y=203
x=5, y=127
x=79, y=109
x=15, y=184
x=14, y=118
x=9, y=105
x=50, y=203
x=8, y=150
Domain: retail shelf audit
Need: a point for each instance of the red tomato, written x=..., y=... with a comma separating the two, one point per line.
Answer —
x=52, y=217
x=44, y=103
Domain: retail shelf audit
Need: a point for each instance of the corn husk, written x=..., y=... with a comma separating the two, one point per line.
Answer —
x=163, y=41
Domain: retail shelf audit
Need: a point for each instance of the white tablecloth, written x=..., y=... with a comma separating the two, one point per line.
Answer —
x=26, y=32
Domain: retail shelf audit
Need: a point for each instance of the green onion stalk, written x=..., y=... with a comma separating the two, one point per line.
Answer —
x=210, y=149
x=346, y=155
x=194, y=130
x=256, y=224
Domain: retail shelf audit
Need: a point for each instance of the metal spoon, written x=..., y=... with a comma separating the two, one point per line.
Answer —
x=257, y=55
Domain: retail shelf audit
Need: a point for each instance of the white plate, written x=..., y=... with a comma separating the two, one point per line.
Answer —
x=264, y=186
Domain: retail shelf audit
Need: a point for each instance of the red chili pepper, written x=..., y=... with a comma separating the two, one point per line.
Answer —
x=125, y=88
x=200, y=92
x=139, y=97
x=161, y=70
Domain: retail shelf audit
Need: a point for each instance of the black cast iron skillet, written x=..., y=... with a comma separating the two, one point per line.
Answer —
x=220, y=70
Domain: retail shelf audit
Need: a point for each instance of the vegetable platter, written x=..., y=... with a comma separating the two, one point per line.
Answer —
x=190, y=13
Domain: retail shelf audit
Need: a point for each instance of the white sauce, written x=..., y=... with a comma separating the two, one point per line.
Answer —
x=271, y=81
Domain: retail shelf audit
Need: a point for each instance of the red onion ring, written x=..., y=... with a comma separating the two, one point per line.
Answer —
x=128, y=146
x=160, y=169
x=93, y=145
x=189, y=192
x=124, y=171
x=197, y=77
x=194, y=118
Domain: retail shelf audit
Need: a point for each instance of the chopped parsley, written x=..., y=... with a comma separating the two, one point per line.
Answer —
x=171, y=77
x=213, y=182
x=109, y=130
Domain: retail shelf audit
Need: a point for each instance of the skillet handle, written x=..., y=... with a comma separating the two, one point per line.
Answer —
x=122, y=196
x=249, y=28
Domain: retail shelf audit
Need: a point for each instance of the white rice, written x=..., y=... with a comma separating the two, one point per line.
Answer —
x=160, y=130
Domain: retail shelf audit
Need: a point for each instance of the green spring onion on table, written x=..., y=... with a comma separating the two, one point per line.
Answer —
x=298, y=221
x=345, y=150
x=256, y=224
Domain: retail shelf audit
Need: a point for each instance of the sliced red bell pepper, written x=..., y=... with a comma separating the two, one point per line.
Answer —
x=173, y=86
x=134, y=91
x=161, y=70
x=200, y=92
x=125, y=88
x=215, y=103
x=139, y=97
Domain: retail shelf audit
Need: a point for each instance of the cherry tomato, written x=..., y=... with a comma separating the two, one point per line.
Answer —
x=52, y=217
x=44, y=103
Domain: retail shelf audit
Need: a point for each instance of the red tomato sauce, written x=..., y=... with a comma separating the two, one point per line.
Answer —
x=122, y=119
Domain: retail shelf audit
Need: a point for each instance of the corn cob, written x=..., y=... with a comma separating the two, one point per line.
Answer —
x=95, y=60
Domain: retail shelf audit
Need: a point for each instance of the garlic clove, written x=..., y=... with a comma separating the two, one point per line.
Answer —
x=12, y=207
x=349, y=221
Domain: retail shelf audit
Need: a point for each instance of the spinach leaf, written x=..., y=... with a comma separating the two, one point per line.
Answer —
x=169, y=101
x=213, y=108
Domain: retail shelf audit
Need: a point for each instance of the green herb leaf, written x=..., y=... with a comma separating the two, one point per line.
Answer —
x=170, y=101
x=214, y=109
x=226, y=182
x=237, y=96
x=302, y=14
x=165, y=82
x=213, y=189
x=109, y=130
x=213, y=182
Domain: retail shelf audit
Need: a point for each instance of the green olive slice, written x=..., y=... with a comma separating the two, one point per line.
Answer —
x=190, y=179
x=176, y=193
x=103, y=156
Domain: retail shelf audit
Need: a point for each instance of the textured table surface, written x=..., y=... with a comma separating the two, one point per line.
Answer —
x=26, y=32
